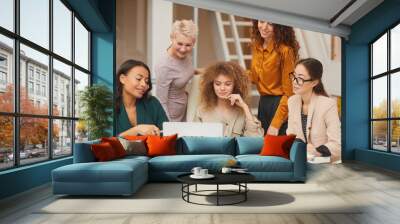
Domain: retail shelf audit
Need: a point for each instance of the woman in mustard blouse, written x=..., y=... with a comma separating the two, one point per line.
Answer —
x=274, y=54
x=138, y=113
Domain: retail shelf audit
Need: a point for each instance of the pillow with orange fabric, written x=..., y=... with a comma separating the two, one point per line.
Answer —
x=161, y=146
x=116, y=145
x=103, y=152
x=277, y=145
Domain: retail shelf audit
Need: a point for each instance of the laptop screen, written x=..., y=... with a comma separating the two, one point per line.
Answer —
x=193, y=129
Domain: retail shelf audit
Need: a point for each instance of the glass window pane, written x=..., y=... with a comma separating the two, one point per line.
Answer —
x=81, y=45
x=379, y=55
x=62, y=138
x=395, y=94
x=6, y=142
x=395, y=47
x=6, y=74
x=395, y=138
x=379, y=135
x=379, y=97
x=81, y=131
x=62, y=29
x=81, y=81
x=33, y=140
x=34, y=97
x=7, y=14
x=62, y=89
x=35, y=21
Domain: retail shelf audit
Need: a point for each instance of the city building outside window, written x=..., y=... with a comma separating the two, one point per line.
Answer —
x=57, y=128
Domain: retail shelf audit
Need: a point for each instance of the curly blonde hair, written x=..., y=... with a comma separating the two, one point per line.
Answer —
x=185, y=27
x=232, y=70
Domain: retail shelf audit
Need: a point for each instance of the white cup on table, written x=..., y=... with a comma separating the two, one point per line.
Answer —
x=196, y=171
x=203, y=172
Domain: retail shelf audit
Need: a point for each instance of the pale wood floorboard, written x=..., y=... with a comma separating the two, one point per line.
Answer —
x=377, y=189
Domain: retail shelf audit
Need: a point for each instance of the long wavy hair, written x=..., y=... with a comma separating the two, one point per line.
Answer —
x=232, y=70
x=282, y=35
x=315, y=70
x=124, y=70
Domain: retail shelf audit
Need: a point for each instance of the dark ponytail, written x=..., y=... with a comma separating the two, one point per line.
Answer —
x=315, y=70
x=124, y=70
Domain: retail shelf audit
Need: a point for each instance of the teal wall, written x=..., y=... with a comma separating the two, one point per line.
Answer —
x=99, y=15
x=355, y=62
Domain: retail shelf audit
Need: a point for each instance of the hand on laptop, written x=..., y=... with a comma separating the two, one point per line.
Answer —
x=143, y=129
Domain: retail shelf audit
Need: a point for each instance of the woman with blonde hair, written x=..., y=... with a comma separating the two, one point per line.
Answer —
x=175, y=70
x=274, y=53
x=224, y=88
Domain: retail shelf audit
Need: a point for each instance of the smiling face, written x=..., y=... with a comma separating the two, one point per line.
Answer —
x=223, y=86
x=266, y=29
x=181, y=45
x=301, y=72
x=135, y=82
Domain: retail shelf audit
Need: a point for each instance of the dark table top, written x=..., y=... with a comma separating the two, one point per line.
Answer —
x=220, y=178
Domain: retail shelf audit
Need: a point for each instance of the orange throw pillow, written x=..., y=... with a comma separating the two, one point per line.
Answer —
x=103, y=152
x=116, y=145
x=136, y=137
x=159, y=146
x=277, y=145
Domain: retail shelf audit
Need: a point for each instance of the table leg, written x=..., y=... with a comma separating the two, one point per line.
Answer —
x=217, y=194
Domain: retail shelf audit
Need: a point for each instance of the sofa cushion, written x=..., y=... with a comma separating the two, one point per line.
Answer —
x=257, y=163
x=249, y=145
x=185, y=163
x=193, y=145
x=112, y=171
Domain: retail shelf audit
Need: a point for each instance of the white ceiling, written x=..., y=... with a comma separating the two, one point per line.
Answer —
x=314, y=15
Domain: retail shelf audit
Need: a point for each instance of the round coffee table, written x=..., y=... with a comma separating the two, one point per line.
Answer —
x=238, y=179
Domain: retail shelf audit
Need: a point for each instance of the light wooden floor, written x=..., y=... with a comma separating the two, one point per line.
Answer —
x=379, y=189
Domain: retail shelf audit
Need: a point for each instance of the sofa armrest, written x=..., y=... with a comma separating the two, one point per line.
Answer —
x=298, y=155
x=83, y=153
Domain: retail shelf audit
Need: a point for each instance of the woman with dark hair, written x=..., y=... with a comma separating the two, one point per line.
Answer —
x=313, y=116
x=138, y=113
x=274, y=53
x=224, y=90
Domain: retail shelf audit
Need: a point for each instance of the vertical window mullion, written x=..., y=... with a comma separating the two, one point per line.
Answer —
x=16, y=84
x=50, y=87
x=73, y=82
x=389, y=101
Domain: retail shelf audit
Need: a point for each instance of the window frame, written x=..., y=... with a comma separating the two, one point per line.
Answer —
x=16, y=114
x=388, y=74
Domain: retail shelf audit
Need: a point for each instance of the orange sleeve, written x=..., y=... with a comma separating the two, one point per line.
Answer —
x=251, y=73
x=287, y=66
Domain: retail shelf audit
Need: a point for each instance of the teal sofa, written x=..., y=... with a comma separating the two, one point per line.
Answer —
x=125, y=176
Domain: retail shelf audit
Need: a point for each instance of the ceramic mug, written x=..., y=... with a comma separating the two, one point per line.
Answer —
x=203, y=172
x=196, y=170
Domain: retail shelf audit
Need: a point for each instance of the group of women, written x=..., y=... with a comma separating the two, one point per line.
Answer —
x=292, y=97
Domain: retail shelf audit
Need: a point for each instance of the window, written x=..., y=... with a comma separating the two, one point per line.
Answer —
x=385, y=94
x=30, y=87
x=39, y=81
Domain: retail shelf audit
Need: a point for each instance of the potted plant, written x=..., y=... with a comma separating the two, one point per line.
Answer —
x=96, y=102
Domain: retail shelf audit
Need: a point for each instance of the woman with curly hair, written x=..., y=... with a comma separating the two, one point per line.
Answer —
x=224, y=88
x=275, y=51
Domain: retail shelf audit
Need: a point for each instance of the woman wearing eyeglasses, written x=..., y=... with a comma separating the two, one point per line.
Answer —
x=274, y=53
x=313, y=116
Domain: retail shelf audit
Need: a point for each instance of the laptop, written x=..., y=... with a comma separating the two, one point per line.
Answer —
x=193, y=129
